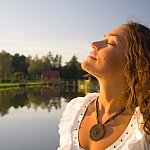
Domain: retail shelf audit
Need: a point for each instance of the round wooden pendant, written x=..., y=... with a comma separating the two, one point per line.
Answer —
x=96, y=132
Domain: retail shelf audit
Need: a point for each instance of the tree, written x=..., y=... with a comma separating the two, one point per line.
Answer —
x=5, y=64
x=20, y=64
x=55, y=61
x=46, y=63
x=72, y=69
x=35, y=67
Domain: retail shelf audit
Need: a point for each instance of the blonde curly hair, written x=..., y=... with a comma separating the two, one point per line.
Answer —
x=137, y=70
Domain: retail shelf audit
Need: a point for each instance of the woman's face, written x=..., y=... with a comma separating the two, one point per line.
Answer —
x=107, y=57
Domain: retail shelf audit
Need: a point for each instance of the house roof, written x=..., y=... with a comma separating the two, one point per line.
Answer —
x=86, y=75
x=50, y=73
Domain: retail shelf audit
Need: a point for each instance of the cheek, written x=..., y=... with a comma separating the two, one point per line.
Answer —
x=110, y=59
x=106, y=56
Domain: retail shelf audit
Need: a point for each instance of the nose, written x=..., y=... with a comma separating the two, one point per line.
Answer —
x=96, y=45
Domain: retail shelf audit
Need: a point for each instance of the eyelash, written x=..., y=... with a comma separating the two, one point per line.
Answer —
x=110, y=44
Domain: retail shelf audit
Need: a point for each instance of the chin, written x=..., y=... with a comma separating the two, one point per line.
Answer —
x=85, y=65
x=91, y=70
x=88, y=68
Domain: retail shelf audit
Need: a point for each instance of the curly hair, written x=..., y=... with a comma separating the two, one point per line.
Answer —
x=137, y=70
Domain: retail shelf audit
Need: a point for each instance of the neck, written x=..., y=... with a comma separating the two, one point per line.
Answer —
x=112, y=95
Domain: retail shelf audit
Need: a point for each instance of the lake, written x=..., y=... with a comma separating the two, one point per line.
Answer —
x=30, y=117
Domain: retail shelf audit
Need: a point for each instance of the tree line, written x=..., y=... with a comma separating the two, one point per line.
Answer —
x=16, y=68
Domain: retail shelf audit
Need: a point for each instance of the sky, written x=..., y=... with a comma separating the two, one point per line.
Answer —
x=64, y=27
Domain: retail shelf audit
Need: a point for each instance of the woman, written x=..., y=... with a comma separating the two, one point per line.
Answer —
x=118, y=117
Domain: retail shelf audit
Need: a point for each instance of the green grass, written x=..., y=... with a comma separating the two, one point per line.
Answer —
x=6, y=85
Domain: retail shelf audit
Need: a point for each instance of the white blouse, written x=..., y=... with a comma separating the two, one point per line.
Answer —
x=133, y=138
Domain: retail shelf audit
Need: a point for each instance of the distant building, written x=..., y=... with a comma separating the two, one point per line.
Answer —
x=87, y=77
x=87, y=84
x=49, y=76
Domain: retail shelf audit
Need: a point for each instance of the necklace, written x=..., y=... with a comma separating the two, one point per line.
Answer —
x=97, y=131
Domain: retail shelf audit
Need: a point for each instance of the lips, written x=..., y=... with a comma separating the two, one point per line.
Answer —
x=92, y=55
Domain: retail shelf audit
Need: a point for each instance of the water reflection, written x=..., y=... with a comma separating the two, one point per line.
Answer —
x=30, y=116
x=45, y=98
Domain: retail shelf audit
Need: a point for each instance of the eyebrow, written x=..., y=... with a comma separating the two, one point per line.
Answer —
x=111, y=34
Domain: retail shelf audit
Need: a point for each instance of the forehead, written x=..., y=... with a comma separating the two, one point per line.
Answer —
x=118, y=32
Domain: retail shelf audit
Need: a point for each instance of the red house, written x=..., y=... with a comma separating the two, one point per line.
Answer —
x=49, y=75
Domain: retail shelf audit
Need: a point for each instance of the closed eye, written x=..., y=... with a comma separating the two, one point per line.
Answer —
x=110, y=44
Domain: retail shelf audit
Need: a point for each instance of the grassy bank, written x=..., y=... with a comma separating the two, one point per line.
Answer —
x=6, y=85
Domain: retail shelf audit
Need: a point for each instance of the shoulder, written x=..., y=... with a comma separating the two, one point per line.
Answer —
x=74, y=106
x=75, y=103
x=138, y=139
x=69, y=116
x=145, y=138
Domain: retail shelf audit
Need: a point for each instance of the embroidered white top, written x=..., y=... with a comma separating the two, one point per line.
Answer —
x=132, y=138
